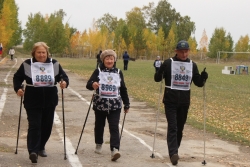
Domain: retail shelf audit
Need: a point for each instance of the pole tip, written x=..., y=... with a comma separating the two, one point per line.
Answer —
x=204, y=162
x=152, y=156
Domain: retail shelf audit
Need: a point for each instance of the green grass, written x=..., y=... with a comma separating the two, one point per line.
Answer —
x=227, y=96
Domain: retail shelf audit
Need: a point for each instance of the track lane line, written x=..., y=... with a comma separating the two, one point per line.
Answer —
x=136, y=137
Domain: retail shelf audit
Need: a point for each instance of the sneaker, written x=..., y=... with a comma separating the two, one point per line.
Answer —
x=115, y=154
x=174, y=159
x=33, y=157
x=42, y=153
x=98, y=148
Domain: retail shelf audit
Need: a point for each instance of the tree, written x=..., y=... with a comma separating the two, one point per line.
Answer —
x=104, y=37
x=109, y=21
x=185, y=27
x=68, y=33
x=230, y=44
x=219, y=42
x=139, y=41
x=151, y=42
x=192, y=45
x=136, y=24
x=93, y=40
x=74, y=42
x=1, y=5
x=107, y=25
x=36, y=30
x=50, y=30
x=204, y=42
x=126, y=35
x=118, y=38
x=242, y=46
x=56, y=36
x=10, y=27
x=161, y=41
x=163, y=16
x=171, y=40
x=147, y=12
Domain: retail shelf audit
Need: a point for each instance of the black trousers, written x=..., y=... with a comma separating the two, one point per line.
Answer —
x=113, y=118
x=176, y=117
x=125, y=63
x=156, y=69
x=11, y=57
x=39, y=129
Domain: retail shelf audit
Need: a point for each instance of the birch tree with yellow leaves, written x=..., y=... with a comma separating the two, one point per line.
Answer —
x=10, y=27
x=242, y=46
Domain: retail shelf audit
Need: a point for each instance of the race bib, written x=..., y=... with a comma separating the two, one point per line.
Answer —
x=42, y=74
x=109, y=85
x=182, y=73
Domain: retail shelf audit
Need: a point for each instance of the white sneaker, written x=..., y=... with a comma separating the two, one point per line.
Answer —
x=115, y=155
x=98, y=148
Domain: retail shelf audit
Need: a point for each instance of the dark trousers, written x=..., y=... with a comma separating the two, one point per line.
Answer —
x=176, y=117
x=113, y=118
x=125, y=63
x=11, y=57
x=39, y=128
x=156, y=69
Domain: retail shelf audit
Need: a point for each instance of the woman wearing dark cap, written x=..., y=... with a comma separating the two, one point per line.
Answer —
x=111, y=91
x=41, y=74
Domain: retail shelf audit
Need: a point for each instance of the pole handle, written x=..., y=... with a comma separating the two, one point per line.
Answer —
x=204, y=81
x=61, y=76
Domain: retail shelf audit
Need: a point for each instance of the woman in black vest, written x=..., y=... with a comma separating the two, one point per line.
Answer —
x=41, y=74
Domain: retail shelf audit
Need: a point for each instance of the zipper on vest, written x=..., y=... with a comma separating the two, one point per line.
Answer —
x=108, y=105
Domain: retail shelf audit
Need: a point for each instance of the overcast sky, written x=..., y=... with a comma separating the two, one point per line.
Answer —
x=232, y=15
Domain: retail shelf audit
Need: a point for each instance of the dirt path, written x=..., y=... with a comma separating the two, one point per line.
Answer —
x=136, y=142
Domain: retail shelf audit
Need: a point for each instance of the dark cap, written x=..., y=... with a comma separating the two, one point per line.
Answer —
x=181, y=45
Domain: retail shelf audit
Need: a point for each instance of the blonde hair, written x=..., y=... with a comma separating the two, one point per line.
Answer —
x=36, y=45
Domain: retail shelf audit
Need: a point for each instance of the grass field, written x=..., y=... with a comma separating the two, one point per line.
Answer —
x=227, y=96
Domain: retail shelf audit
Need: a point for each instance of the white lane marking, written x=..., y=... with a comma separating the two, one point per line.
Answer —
x=70, y=150
x=78, y=95
x=2, y=59
x=23, y=59
x=2, y=100
x=5, y=90
x=6, y=78
x=140, y=140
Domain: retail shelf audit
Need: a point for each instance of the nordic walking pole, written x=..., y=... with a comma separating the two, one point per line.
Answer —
x=85, y=122
x=157, y=117
x=204, y=120
x=18, y=129
x=122, y=125
x=65, y=157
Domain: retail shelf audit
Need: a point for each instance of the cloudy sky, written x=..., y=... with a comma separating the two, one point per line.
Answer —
x=232, y=15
